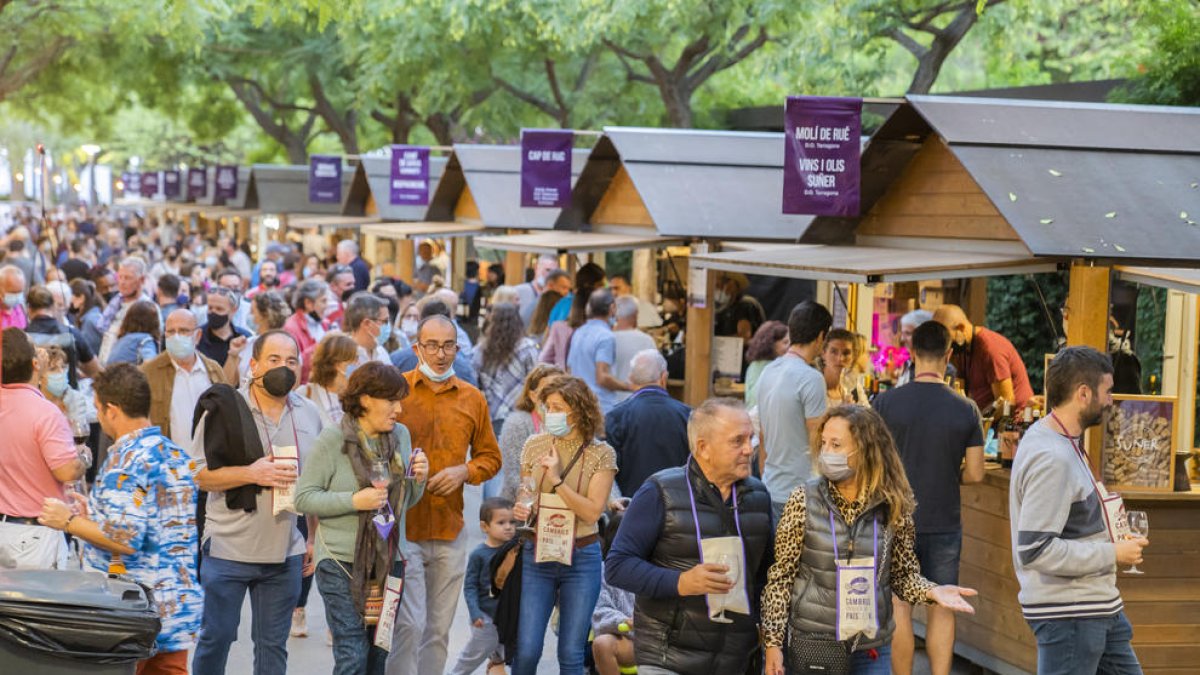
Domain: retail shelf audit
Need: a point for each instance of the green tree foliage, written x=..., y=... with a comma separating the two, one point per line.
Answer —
x=1170, y=74
x=1014, y=311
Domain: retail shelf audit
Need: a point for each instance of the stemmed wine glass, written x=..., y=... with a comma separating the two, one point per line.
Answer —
x=1139, y=526
x=733, y=564
x=526, y=496
x=381, y=478
x=81, y=431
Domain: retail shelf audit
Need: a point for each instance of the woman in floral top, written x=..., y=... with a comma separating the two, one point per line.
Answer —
x=862, y=481
x=141, y=519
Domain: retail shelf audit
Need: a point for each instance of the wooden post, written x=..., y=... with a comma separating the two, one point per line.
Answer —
x=1179, y=362
x=697, y=384
x=644, y=275
x=458, y=261
x=851, y=306
x=406, y=259
x=1087, y=325
x=514, y=268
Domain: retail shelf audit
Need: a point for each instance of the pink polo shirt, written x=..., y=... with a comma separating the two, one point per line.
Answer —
x=36, y=439
x=13, y=318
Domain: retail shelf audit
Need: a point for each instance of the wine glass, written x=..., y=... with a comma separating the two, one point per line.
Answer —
x=1139, y=526
x=381, y=477
x=732, y=563
x=81, y=431
x=526, y=496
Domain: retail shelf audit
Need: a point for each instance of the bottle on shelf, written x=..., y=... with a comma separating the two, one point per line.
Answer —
x=1008, y=427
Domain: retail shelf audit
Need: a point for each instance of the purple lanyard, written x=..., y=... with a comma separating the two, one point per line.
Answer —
x=833, y=533
x=696, y=518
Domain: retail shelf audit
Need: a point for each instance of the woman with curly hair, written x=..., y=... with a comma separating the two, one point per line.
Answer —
x=572, y=471
x=270, y=311
x=770, y=342
x=503, y=359
x=818, y=606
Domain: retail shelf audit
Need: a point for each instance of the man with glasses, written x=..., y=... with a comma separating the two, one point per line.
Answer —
x=406, y=359
x=368, y=322
x=221, y=334
x=178, y=377
x=245, y=546
x=449, y=419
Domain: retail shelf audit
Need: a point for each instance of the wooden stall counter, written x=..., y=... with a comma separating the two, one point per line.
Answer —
x=1163, y=604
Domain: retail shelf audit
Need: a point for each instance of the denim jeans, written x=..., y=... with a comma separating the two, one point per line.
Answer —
x=939, y=554
x=862, y=663
x=354, y=650
x=575, y=588
x=1078, y=646
x=274, y=590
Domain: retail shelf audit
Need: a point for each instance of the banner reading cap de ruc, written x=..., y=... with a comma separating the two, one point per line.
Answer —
x=149, y=186
x=226, y=182
x=822, y=139
x=197, y=185
x=546, y=167
x=325, y=179
x=170, y=184
x=408, y=181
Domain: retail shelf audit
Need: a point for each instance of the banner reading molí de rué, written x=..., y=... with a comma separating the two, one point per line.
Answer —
x=325, y=179
x=149, y=186
x=408, y=182
x=197, y=183
x=170, y=184
x=226, y=182
x=546, y=167
x=822, y=138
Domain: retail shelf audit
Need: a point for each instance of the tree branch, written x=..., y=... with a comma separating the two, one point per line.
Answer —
x=525, y=96
x=717, y=62
x=342, y=125
x=624, y=56
x=552, y=78
x=915, y=48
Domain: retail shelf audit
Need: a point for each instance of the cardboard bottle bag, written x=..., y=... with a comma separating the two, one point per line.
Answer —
x=282, y=497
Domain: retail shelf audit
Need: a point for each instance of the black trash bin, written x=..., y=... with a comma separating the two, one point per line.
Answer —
x=58, y=622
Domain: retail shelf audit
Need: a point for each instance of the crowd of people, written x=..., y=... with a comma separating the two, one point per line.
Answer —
x=215, y=426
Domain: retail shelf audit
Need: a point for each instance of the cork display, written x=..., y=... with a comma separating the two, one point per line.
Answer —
x=1138, y=451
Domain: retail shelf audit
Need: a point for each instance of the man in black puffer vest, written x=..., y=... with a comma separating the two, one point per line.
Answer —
x=656, y=555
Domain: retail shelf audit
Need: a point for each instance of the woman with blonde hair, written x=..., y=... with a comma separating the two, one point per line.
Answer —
x=525, y=420
x=844, y=545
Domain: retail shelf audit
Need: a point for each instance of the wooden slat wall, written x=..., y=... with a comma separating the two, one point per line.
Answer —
x=621, y=204
x=466, y=208
x=1163, y=605
x=936, y=197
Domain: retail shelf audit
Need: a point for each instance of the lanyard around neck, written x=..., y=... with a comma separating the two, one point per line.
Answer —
x=267, y=432
x=850, y=530
x=696, y=518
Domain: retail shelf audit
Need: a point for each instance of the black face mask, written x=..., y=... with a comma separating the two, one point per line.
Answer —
x=315, y=317
x=217, y=321
x=109, y=296
x=279, y=381
x=347, y=293
x=958, y=347
x=272, y=281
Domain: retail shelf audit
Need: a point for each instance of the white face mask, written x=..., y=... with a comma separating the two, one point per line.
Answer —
x=434, y=376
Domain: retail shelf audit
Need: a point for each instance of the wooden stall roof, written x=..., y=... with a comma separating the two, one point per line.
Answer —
x=409, y=230
x=310, y=220
x=711, y=184
x=284, y=189
x=378, y=170
x=493, y=174
x=1186, y=279
x=247, y=192
x=567, y=241
x=1066, y=179
x=869, y=264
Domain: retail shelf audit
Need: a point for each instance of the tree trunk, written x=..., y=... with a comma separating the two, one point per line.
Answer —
x=441, y=126
x=929, y=64
x=297, y=150
x=678, y=102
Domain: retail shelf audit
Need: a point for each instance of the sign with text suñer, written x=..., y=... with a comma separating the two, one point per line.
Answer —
x=821, y=155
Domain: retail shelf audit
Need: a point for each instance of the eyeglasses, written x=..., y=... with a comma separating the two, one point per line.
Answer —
x=445, y=347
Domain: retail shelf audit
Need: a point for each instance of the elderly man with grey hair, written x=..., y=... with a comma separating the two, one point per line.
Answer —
x=627, y=340
x=131, y=282
x=12, y=302
x=648, y=430
x=367, y=321
x=348, y=254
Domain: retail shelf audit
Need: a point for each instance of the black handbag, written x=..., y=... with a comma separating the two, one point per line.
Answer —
x=807, y=655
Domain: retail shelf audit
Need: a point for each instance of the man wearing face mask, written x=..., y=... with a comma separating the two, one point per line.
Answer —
x=990, y=363
x=341, y=287
x=246, y=547
x=1063, y=551
x=368, y=322
x=529, y=292
x=232, y=279
x=12, y=303
x=220, y=334
x=46, y=329
x=178, y=377
x=407, y=358
x=307, y=324
x=738, y=315
x=448, y=418
x=131, y=277
x=657, y=552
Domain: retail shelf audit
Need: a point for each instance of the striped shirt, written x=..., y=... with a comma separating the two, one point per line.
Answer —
x=501, y=385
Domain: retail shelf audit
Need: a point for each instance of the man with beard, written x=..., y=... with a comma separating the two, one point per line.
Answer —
x=1065, y=557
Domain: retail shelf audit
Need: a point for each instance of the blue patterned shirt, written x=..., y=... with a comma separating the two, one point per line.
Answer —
x=145, y=498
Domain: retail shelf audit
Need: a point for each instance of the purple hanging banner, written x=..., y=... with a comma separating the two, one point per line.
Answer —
x=130, y=179
x=822, y=143
x=197, y=185
x=226, y=182
x=149, y=186
x=546, y=167
x=408, y=184
x=325, y=179
x=170, y=184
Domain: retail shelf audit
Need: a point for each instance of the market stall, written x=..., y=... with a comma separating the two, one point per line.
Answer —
x=283, y=195
x=1086, y=186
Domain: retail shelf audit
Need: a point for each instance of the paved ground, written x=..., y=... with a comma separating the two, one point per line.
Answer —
x=313, y=655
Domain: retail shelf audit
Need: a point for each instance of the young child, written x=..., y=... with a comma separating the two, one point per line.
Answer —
x=612, y=620
x=496, y=521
